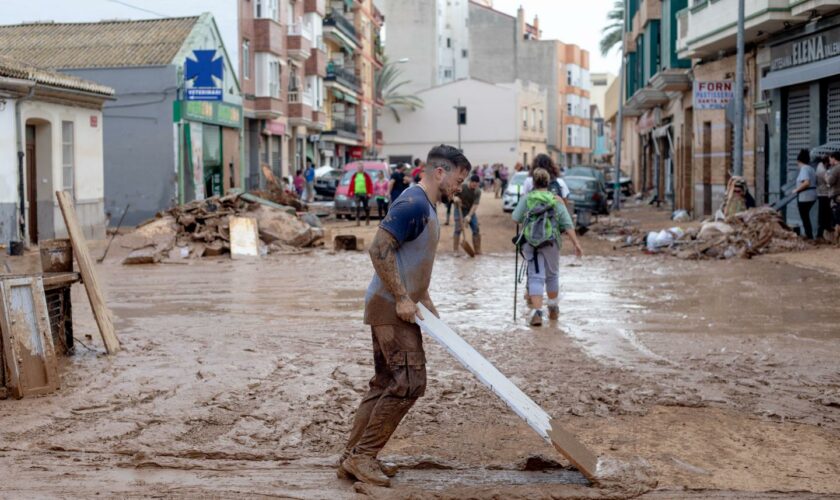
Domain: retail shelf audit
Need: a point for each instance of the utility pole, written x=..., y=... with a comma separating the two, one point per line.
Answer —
x=620, y=119
x=738, y=153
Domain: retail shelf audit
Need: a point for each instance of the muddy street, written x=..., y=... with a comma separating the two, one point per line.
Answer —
x=240, y=379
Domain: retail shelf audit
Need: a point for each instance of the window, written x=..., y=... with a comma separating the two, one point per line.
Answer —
x=569, y=107
x=246, y=59
x=275, y=71
x=463, y=52
x=447, y=73
x=569, y=76
x=542, y=116
x=258, y=8
x=67, y=175
x=525, y=118
x=533, y=119
x=448, y=43
x=569, y=132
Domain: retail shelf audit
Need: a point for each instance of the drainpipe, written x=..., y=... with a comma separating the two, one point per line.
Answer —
x=19, y=134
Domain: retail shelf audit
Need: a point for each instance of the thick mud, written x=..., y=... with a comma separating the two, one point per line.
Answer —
x=239, y=379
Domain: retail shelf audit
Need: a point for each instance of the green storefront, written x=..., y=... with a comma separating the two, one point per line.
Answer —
x=209, y=156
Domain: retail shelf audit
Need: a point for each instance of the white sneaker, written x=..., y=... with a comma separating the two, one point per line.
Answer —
x=535, y=317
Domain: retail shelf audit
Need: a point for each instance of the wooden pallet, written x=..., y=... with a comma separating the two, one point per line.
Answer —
x=547, y=428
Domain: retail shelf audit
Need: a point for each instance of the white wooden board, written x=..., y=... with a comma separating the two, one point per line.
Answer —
x=244, y=238
x=507, y=391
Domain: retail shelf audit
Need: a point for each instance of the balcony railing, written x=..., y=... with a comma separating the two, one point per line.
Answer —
x=342, y=23
x=344, y=125
x=300, y=29
x=298, y=97
x=320, y=44
x=342, y=75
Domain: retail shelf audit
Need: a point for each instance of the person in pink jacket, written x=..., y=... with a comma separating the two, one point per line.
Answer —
x=380, y=192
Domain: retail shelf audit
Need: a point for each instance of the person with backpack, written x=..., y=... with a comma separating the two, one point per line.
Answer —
x=544, y=218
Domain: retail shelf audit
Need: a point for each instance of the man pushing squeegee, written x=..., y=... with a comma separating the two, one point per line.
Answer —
x=403, y=254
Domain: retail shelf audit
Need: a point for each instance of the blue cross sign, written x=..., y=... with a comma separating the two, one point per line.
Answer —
x=203, y=72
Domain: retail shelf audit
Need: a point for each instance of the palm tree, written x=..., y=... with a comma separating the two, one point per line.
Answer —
x=612, y=31
x=387, y=87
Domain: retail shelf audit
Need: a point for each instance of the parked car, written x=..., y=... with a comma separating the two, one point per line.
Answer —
x=588, y=194
x=626, y=183
x=344, y=206
x=327, y=182
x=512, y=193
x=587, y=171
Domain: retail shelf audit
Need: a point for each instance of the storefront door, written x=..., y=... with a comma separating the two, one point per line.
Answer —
x=833, y=112
x=212, y=155
x=798, y=124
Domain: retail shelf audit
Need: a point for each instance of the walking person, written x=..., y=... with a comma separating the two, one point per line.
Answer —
x=398, y=182
x=381, y=191
x=832, y=179
x=403, y=254
x=824, y=219
x=299, y=183
x=544, y=219
x=488, y=177
x=806, y=189
x=466, y=204
x=309, y=175
x=361, y=190
x=497, y=181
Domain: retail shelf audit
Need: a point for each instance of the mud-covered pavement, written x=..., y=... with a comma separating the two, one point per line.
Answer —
x=239, y=379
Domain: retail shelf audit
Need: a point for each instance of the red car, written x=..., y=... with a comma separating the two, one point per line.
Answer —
x=344, y=206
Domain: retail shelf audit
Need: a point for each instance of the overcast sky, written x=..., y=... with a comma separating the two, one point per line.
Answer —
x=571, y=21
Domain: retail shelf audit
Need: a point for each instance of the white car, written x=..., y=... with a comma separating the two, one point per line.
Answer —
x=514, y=191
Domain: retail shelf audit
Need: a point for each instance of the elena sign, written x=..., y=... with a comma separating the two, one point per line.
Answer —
x=712, y=95
x=806, y=50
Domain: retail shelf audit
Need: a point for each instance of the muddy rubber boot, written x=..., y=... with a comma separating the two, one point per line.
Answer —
x=477, y=244
x=366, y=469
x=340, y=472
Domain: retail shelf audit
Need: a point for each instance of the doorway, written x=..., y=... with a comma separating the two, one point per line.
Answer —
x=31, y=185
x=707, y=168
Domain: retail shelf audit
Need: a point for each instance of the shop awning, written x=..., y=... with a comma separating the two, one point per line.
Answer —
x=338, y=94
x=801, y=74
x=351, y=99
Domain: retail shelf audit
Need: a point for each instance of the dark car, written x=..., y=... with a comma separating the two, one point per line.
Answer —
x=326, y=184
x=587, y=171
x=588, y=194
x=626, y=183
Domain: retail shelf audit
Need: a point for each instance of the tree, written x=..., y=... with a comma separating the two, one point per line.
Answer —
x=612, y=31
x=387, y=86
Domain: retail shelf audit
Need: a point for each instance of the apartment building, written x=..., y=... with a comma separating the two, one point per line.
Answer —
x=504, y=48
x=791, y=89
x=282, y=69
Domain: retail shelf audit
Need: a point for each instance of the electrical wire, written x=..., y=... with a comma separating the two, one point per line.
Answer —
x=126, y=4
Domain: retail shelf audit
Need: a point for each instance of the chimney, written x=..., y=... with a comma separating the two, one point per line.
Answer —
x=537, y=32
x=520, y=22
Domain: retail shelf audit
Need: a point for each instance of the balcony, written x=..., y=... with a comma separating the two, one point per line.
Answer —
x=316, y=6
x=708, y=27
x=341, y=29
x=269, y=36
x=299, y=41
x=672, y=80
x=343, y=128
x=319, y=119
x=316, y=64
x=268, y=108
x=647, y=98
x=821, y=7
x=344, y=77
x=300, y=108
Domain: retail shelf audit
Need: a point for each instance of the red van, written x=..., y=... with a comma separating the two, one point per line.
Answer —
x=344, y=204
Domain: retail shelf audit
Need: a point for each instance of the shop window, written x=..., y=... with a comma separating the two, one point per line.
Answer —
x=68, y=181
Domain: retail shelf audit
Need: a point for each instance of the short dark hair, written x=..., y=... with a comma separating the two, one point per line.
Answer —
x=417, y=162
x=804, y=156
x=545, y=162
x=475, y=178
x=446, y=157
x=835, y=155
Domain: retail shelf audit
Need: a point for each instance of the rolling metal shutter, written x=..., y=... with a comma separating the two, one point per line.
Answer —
x=833, y=113
x=798, y=128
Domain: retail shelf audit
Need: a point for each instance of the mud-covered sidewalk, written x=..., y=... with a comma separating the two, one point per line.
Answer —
x=239, y=379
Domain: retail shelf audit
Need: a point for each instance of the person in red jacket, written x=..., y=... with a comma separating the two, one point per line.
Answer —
x=361, y=189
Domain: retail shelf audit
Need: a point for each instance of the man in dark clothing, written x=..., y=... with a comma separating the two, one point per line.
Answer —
x=466, y=203
x=398, y=183
x=403, y=254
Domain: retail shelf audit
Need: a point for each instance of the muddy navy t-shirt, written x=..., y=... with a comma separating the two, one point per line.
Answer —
x=412, y=221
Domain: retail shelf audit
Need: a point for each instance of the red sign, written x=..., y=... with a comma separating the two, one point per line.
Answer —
x=275, y=127
x=356, y=153
x=94, y=121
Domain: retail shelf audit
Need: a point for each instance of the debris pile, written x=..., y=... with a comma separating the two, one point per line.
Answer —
x=745, y=234
x=202, y=229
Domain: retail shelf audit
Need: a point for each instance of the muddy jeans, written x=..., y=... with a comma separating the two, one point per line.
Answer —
x=400, y=378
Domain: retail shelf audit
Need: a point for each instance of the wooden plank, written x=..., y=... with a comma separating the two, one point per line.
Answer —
x=244, y=238
x=548, y=429
x=27, y=341
x=94, y=293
